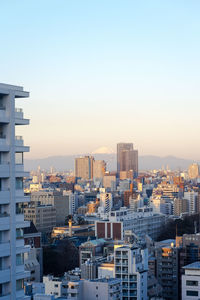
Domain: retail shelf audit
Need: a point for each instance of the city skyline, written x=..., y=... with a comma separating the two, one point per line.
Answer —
x=101, y=73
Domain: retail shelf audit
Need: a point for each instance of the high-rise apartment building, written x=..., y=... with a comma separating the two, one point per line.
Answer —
x=84, y=167
x=131, y=265
x=99, y=168
x=193, y=171
x=106, y=202
x=12, y=249
x=127, y=158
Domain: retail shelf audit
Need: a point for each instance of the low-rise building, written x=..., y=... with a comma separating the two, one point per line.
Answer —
x=191, y=281
x=43, y=217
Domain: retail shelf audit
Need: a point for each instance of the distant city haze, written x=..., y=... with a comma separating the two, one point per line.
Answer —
x=104, y=72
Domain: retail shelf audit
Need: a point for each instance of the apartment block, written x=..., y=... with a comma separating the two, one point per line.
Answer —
x=12, y=249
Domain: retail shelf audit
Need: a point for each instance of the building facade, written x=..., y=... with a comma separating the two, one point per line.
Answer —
x=12, y=249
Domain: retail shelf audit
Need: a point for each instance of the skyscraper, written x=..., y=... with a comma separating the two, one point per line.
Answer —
x=84, y=167
x=12, y=249
x=127, y=158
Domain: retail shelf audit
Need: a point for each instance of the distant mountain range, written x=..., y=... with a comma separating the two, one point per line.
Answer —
x=146, y=162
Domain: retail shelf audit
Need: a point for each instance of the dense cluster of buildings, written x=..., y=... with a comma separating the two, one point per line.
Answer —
x=114, y=219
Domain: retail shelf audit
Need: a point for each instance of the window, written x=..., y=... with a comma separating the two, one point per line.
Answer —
x=19, y=158
x=19, y=284
x=192, y=293
x=19, y=183
x=191, y=282
x=56, y=285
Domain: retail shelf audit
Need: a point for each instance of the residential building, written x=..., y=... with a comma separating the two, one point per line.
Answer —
x=56, y=199
x=142, y=222
x=84, y=167
x=191, y=281
x=131, y=266
x=106, y=202
x=181, y=206
x=43, y=217
x=192, y=198
x=12, y=249
x=99, y=168
x=91, y=249
x=55, y=286
x=167, y=270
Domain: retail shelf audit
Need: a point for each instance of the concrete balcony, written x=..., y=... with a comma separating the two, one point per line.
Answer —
x=20, y=294
x=4, y=197
x=4, y=249
x=25, y=199
x=4, y=221
x=20, y=243
x=19, y=218
x=5, y=297
x=19, y=117
x=24, y=224
x=4, y=170
x=4, y=276
x=19, y=145
x=22, y=275
x=19, y=170
x=3, y=143
x=20, y=268
x=3, y=115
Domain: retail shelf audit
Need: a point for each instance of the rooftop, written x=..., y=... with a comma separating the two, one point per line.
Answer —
x=193, y=266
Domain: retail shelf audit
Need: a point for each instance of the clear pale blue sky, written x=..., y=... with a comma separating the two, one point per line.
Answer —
x=101, y=72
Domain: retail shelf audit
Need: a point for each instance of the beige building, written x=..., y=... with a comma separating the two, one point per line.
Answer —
x=99, y=168
x=180, y=206
x=84, y=167
x=56, y=199
x=109, y=180
x=193, y=171
x=43, y=217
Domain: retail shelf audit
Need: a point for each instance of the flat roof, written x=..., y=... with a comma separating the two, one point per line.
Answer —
x=193, y=266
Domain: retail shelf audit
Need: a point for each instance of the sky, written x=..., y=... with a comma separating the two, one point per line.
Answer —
x=103, y=72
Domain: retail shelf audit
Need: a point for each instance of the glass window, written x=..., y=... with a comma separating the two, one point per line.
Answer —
x=191, y=283
x=19, y=183
x=19, y=284
x=19, y=158
x=192, y=293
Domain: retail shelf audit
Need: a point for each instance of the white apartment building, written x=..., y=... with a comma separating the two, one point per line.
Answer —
x=55, y=286
x=142, y=222
x=191, y=282
x=106, y=202
x=12, y=249
x=131, y=266
x=191, y=196
x=101, y=289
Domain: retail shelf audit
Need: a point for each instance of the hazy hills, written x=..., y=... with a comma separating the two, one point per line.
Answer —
x=147, y=162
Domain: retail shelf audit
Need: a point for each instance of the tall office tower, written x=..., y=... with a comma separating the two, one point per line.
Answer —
x=84, y=167
x=193, y=171
x=12, y=249
x=131, y=265
x=127, y=158
x=99, y=168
